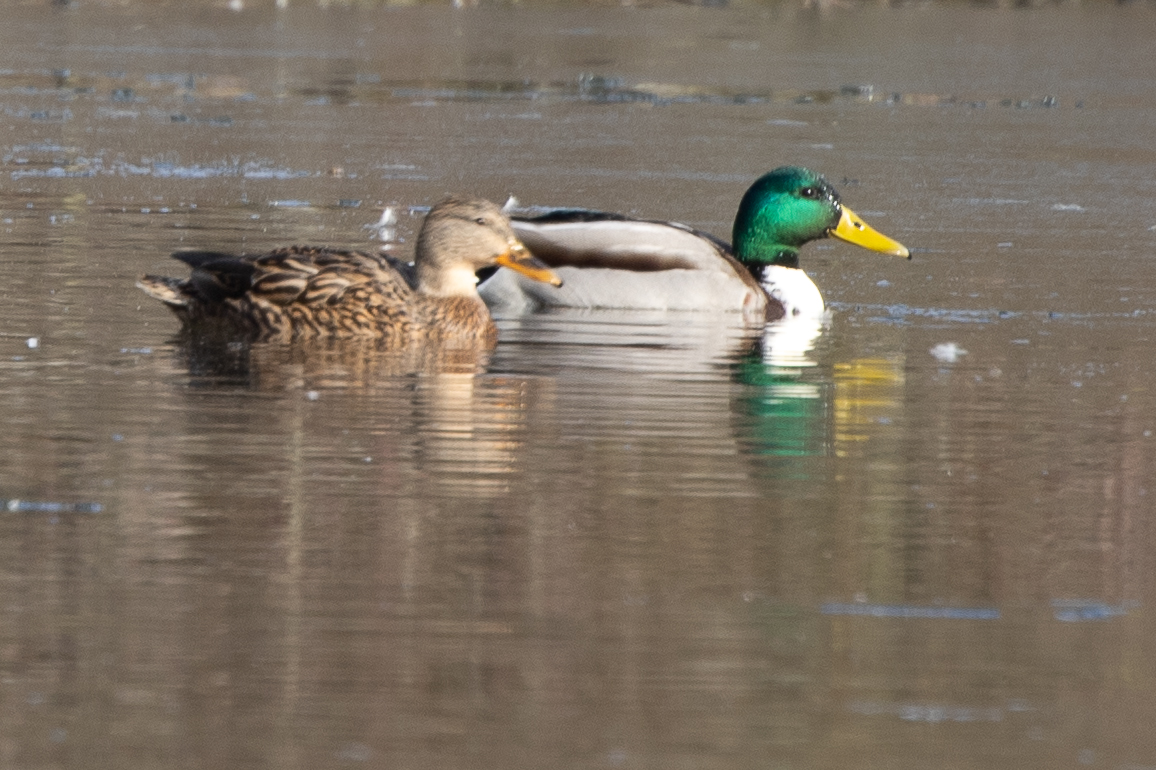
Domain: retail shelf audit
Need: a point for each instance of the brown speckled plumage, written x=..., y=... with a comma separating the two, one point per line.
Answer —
x=309, y=292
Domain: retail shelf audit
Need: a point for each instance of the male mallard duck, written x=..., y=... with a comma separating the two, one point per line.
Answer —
x=303, y=291
x=610, y=260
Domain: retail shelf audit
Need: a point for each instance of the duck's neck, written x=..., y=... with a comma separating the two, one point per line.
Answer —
x=756, y=258
x=781, y=263
x=453, y=282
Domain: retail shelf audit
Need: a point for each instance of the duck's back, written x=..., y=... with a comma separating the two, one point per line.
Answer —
x=610, y=260
x=309, y=292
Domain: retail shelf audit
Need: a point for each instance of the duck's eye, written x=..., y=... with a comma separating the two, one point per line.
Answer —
x=809, y=192
x=481, y=221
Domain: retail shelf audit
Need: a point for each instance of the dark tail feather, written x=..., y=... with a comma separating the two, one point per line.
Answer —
x=167, y=290
x=217, y=276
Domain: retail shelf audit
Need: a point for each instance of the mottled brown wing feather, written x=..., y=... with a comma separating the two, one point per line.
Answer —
x=324, y=292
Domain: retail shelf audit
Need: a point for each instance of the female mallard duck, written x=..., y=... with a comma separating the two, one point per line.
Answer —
x=302, y=291
x=609, y=260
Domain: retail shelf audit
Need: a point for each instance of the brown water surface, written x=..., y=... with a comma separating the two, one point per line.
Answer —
x=620, y=540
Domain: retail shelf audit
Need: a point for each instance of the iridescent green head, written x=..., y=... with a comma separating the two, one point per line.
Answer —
x=791, y=205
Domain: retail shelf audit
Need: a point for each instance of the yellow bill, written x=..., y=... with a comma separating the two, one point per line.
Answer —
x=853, y=229
x=518, y=258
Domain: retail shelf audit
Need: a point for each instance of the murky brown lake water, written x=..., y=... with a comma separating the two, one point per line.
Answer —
x=621, y=540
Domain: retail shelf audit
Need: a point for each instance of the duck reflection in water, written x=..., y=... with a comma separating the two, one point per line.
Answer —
x=421, y=411
x=318, y=364
x=799, y=401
